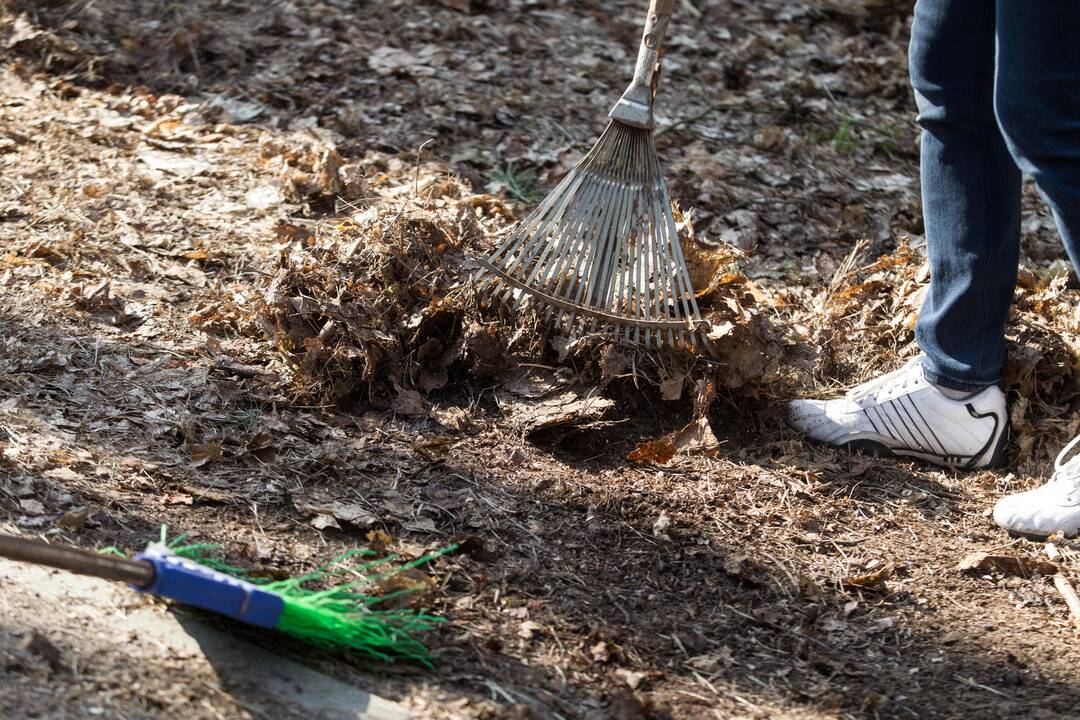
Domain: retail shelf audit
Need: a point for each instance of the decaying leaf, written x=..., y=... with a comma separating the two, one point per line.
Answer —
x=695, y=438
x=981, y=563
x=874, y=580
x=567, y=409
x=203, y=453
x=322, y=506
x=672, y=386
x=408, y=402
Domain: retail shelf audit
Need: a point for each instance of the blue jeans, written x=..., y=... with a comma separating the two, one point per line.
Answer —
x=997, y=83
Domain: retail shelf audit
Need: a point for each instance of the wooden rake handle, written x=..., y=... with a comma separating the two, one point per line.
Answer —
x=77, y=560
x=635, y=107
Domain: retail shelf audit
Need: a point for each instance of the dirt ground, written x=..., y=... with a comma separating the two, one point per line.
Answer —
x=175, y=177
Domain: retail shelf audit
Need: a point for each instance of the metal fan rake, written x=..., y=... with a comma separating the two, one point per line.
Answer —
x=601, y=252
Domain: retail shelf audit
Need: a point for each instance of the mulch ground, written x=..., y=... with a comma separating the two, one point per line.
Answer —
x=235, y=247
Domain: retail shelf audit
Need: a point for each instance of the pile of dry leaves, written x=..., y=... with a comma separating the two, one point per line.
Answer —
x=380, y=307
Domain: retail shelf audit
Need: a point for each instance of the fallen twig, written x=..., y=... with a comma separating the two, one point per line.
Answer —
x=1068, y=593
x=691, y=9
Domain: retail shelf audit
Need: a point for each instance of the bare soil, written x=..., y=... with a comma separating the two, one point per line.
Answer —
x=162, y=164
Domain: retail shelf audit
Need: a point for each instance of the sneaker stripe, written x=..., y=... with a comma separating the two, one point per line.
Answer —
x=926, y=444
x=929, y=428
x=866, y=412
x=919, y=443
x=876, y=423
x=905, y=433
x=887, y=422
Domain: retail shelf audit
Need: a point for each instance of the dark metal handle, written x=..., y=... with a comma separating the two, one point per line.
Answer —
x=76, y=560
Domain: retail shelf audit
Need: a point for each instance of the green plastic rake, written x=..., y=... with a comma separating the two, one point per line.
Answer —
x=327, y=608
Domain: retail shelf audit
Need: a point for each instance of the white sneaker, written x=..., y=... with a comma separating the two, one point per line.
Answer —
x=1054, y=507
x=904, y=414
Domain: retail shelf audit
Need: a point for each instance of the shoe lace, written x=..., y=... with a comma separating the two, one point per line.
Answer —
x=1068, y=471
x=897, y=379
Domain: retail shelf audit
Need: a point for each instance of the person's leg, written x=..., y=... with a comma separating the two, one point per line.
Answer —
x=1038, y=106
x=1038, y=103
x=971, y=205
x=971, y=194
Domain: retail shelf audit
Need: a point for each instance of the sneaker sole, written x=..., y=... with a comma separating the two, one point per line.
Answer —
x=880, y=449
x=1039, y=537
x=997, y=457
x=1034, y=537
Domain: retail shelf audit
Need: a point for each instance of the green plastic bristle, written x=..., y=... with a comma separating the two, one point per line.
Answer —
x=340, y=617
x=343, y=617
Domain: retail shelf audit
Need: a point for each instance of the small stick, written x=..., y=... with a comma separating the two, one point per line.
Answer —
x=419, y=154
x=691, y=9
x=1068, y=593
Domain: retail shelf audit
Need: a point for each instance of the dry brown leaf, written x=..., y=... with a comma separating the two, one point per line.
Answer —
x=203, y=453
x=659, y=451
x=319, y=504
x=695, y=438
x=982, y=563
x=873, y=580
x=671, y=387
x=408, y=402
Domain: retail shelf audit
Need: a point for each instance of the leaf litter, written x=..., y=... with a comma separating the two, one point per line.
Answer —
x=235, y=299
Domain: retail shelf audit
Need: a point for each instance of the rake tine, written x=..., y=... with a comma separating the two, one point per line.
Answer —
x=524, y=231
x=604, y=268
x=578, y=246
x=567, y=236
x=539, y=244
x=595, y=251
x=605, y=285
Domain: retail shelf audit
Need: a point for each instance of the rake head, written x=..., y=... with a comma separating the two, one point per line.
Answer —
x=601, y=252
